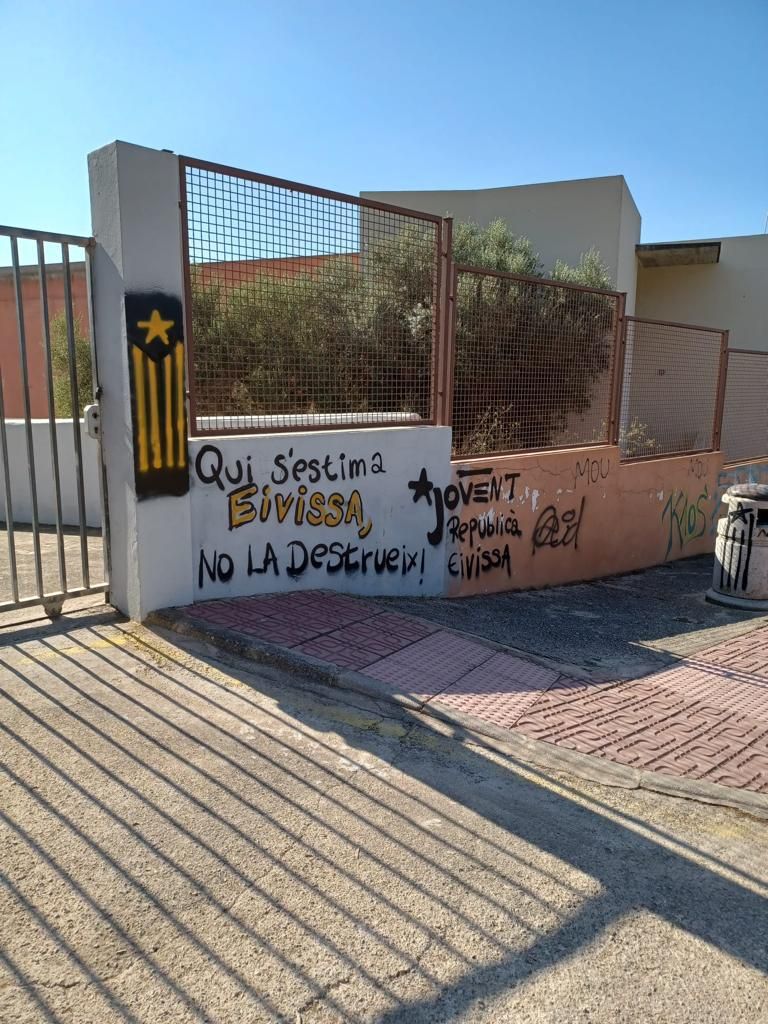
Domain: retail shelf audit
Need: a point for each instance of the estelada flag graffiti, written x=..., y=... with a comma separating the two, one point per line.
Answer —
x=155, y=327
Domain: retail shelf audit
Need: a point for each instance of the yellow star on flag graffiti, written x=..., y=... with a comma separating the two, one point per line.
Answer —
x=156, y=327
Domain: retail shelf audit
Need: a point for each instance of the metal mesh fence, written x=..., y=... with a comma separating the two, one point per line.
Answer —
x=671, y=384
x=745, y=411
x=533, y=365
x=307, y=308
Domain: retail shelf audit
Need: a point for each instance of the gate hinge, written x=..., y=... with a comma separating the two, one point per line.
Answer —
x=92, y=417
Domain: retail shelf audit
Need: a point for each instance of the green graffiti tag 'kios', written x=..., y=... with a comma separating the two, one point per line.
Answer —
x=687, y=519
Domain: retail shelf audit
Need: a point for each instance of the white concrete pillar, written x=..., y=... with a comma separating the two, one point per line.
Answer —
x=137, y=271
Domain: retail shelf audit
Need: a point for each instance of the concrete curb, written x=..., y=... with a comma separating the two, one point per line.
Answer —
x=264, y=653
x=472, y=729
x=597, y=769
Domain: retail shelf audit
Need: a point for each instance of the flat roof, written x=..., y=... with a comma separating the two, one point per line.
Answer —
x=677, y=254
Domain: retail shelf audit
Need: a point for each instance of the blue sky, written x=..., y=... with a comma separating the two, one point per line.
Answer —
x=354, y=95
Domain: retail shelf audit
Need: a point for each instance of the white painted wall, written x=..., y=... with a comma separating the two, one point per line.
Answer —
x=731, y=294
x=288, y=555
x=21, y=495
x=137, y=227
x=562, y=219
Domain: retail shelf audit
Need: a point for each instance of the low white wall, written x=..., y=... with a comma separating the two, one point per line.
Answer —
x=331, y=510
x=302, y=420
x=46, y=496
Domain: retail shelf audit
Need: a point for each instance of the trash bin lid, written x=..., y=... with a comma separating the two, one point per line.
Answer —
x=753, y=492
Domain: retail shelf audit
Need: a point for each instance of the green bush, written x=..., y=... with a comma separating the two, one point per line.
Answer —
x=354, y=334
x=528, y=356
x=60, y=365
x=636, y=442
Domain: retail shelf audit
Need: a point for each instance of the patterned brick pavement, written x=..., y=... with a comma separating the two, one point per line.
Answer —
x=704, y=718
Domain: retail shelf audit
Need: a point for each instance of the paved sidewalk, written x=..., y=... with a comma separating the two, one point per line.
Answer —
x=185, y=840
x=705, y=718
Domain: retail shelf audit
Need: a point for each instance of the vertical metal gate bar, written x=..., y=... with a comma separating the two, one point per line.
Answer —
x=617, y=384
x=96, y=396
x=44, y=316
x=27, y=413
x=717, y=426
x=75, y=393
x=8, y=500
x=49, y=504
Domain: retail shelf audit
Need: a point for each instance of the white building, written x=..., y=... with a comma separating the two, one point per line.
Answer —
x=714, y=282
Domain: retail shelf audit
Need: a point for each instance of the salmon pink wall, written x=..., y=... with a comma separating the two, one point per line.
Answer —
x=559, y=517
x=9, y=339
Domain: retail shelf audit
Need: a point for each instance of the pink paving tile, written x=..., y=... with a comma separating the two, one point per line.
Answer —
x=401, y=625
x=208, y=608
x=312, y=603
x=366, y=641
x=204, y=613
x=747, y=770
x=747, y=646
x=692, y=754
x=694, y=761
x=706, y=683
x=686, y=721
x=429, y=665
x=275, y=631
x=704, y=718
x=341, y=604
x=618, y=729
x=607, y=711
x=368, y=636
x=498, y=691
x=337, y=652
x=292, y=618
x=568, y=691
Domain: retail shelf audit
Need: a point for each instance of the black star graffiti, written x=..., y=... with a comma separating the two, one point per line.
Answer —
x=422, y=488
x=739, y=514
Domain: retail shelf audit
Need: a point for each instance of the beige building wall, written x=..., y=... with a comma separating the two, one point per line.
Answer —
x=562, y=219
x=731, y=294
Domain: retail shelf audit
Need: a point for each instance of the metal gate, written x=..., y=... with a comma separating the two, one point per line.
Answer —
x=53, y=534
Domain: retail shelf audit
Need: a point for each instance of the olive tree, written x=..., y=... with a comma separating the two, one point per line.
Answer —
x=353, y=333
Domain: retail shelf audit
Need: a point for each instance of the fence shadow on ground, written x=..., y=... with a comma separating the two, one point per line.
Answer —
x=187, y=841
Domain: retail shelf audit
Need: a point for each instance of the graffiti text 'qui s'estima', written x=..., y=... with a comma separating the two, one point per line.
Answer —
x=251, y=502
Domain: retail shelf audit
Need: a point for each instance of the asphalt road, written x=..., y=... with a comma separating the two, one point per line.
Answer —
x=614, y=628
x=188, y=841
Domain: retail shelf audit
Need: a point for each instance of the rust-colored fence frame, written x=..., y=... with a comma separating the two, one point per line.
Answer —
x=441, y=322
x=762, y=353
x=445, y=280
x=617, y=363
x=717, y=421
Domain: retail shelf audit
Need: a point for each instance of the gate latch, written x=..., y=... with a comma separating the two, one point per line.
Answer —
x=92, y=417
